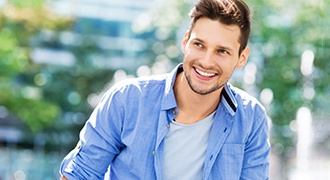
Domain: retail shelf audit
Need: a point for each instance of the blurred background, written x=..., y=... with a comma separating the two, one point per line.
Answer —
x=57, y=57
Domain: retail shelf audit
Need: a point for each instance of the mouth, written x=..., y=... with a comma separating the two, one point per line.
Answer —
x=204, y=73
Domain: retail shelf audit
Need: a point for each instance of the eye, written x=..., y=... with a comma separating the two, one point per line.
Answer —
x=223, y=51
x=200, y=45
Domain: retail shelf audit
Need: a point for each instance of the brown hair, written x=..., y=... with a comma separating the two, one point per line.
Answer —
x=228, y=12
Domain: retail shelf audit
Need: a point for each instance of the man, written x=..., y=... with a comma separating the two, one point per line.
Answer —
x=188, y=124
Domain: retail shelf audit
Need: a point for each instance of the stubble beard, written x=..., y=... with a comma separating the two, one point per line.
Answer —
x=205, y=91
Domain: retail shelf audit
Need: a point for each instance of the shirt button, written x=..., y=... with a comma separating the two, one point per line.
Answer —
x=173, y=111
x=153, y=153
x=168, y=125
x=78, y=146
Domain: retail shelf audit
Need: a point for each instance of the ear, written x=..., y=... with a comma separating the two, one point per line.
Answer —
x=243, y=57
x=184, y=41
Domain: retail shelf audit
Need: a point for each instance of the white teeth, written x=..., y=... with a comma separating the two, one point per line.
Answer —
x=204, y=73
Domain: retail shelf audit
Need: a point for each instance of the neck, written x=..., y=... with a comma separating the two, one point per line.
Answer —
x=192, y=106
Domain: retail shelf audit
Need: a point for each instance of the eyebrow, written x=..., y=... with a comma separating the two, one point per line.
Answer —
x=218, y=46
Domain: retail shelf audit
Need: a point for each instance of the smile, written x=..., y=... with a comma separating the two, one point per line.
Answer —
x=203, y=73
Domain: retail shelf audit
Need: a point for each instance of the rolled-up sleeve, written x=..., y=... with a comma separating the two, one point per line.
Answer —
x=99, y=141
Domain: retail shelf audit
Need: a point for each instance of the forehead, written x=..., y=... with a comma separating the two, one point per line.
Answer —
x=214, y=32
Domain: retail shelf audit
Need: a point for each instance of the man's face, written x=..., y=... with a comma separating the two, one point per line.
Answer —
x=211, y=55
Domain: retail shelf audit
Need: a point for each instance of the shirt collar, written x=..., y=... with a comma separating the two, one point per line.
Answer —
x=169, y=101
x=227, y=97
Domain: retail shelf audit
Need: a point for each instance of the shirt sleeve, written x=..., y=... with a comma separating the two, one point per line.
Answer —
x=257, y=149
x=99, y=141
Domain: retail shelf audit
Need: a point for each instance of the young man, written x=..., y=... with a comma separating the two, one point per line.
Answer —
x=188, y=124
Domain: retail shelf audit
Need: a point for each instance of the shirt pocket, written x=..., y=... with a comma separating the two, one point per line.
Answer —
x=229, y=162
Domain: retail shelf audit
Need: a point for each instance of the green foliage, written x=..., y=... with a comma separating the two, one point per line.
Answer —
x=19, y=22
x=36, y=114
x=27, y=3
x=286, y=30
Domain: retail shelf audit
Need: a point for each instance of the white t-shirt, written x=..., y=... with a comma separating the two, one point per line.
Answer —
x=185, y=148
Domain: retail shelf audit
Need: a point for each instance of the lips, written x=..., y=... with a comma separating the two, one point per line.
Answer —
x=204, y=73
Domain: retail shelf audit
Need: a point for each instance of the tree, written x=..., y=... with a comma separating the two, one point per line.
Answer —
x=19, y=22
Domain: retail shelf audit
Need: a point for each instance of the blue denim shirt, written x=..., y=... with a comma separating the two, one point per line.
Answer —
x=126, y=131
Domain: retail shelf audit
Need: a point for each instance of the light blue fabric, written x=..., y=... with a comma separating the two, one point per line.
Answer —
x=126, y=131
x=185, y=148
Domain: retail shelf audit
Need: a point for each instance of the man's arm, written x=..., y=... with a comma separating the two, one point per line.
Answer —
x=99, y=142
x=256, y=160
x=64, y=178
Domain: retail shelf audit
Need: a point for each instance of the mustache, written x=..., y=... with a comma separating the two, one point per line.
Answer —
x=207, y=68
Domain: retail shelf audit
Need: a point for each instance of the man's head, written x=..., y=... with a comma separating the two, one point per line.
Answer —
x=228, y=12
x=216, y=44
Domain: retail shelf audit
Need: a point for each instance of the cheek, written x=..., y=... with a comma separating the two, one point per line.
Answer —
x=191, y=54
x=229, y=70
x=188, y=55
x=226, y=67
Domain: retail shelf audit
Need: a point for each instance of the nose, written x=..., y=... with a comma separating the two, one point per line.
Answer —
x=208, y=59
